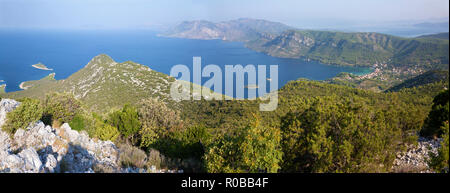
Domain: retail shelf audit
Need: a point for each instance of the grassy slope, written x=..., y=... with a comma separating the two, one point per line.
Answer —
x=444, y=35
x=431, y=76
x=2, y=89
x=104, y=84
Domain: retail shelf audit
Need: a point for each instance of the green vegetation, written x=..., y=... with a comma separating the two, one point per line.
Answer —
x=440, y=161
x=126, y=121
x=132, y=156
x=78, y=122
x=439, y=114
x=102, y=83
x=423, y=79
x=252, y=149
x=42, y=83
x=61, y=108
x=158, y=121
x=29, y=111
x=2, y=89
x=393, y=59
x=444, y=35
x=317, y=127
x=361, y=49
x=339, y=135
x=107, y=132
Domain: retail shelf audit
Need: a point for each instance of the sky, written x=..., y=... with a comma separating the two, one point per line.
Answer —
x=93, y=14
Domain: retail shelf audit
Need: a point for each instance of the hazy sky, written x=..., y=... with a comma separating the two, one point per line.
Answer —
x=154, y=13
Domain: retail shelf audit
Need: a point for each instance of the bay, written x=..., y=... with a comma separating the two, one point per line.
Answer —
x=67, y=51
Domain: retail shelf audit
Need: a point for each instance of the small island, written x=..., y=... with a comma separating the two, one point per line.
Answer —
x=41, y=66
x=252, y=86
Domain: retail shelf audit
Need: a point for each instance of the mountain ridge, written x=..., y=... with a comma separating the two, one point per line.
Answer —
x=243, y=29
x=104, y=84
x=331, y=47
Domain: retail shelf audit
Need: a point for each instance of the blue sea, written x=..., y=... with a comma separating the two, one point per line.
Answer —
x=68, y=51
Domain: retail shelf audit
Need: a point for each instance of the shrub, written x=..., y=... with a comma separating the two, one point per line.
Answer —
x=91, y=123
x=253, y=149
x=440, y=161
x=188, y=143
x=29, y=111
x=126, y=121
x=438, y=115
x=61, y=107
x=107, y=132
x=158, y=121
x=148, y=137
x=78, y=122
x=339, y=135
x=131, y=156
x=154, y=159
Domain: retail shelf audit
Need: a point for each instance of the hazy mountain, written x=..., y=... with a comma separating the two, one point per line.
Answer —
x=444, y=36
x=279, y=40
x=363, y=49
x=441, y=25
x=235, y=30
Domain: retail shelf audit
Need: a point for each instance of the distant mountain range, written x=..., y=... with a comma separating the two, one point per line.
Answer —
x=444, y=36
x=431, y=76
x=360, y=49
x=444, y=25
x=235, y=30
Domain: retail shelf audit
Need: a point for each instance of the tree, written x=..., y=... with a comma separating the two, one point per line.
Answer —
x=157, y=120
x=61, y=107
x=338, y=135
x=253, y=149
x=439, y=114
x=107, y=132
x=439, y=162
x=126, y=121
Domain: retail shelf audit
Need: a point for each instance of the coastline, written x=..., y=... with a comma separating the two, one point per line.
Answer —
x=22, y=87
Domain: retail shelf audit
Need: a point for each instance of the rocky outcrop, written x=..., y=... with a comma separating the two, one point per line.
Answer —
x=6, y=105
x=41, y=148
x=415, y=158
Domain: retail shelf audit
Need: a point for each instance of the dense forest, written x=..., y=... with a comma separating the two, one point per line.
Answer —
x=318, y=127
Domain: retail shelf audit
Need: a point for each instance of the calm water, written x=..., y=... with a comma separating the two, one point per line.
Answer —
x=68, y=51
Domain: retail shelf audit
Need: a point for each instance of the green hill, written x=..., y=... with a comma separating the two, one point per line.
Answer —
x=444, y=36
x=353, y=49
x=423, y=79
x=361, y=49
x=104, y=84
x=235, y=30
